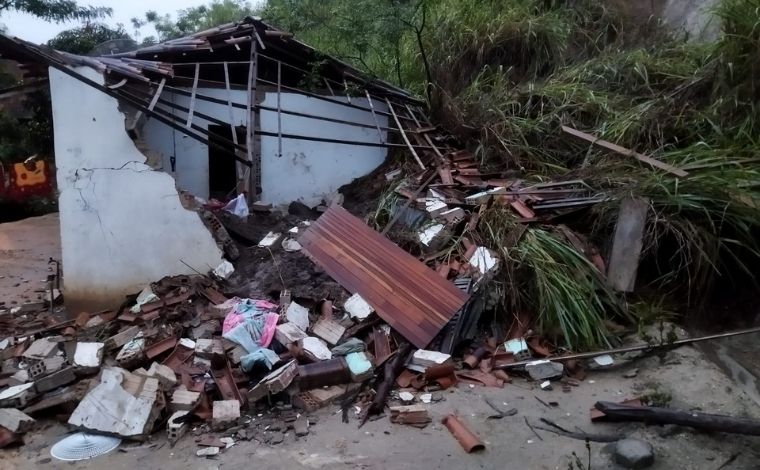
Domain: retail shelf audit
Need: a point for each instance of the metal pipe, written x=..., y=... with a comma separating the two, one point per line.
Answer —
x=641, y=347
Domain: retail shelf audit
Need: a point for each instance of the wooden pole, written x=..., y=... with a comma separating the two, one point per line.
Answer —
x=403, y=134
x=192, y=96
x=374, y=116
x=624, y=151
x=427, y=137
x=694, y=419
x=240, y=169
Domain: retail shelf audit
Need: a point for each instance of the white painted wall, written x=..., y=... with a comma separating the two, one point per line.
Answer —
x=191, y=169
x=122, y=224
x=306, y=171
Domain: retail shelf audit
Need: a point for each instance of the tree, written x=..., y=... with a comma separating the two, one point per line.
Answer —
x=82, y=40
x=192, y=20
x=55, y=10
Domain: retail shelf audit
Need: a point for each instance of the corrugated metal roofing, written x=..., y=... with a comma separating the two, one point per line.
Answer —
x=412, y=298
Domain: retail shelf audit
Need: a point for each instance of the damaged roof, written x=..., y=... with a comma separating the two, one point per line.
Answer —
x=226, y=43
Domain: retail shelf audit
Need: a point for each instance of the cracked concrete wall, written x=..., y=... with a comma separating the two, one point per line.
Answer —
x=122, y=223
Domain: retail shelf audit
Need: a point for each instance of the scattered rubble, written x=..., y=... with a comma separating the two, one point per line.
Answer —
x=634, y=453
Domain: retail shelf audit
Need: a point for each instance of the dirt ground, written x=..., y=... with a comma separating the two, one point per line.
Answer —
x=685, y=379
x=25, y=248
x=510, y=443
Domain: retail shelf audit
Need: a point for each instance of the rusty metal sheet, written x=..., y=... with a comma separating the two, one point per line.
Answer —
x=412, y=298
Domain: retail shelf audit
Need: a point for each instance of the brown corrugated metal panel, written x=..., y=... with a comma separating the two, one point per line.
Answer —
x=412, y=298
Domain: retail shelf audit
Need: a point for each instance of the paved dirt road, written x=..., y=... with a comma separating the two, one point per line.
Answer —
x=25, y=248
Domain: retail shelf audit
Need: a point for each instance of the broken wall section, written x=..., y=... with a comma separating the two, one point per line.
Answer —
x=122, y=223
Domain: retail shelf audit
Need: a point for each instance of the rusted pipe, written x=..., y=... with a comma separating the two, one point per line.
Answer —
x=469, y=441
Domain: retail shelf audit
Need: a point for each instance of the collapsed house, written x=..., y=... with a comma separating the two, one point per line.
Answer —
x=242, y=108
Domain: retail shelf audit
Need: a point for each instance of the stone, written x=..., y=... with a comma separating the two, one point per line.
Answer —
x=544, y=370
x=357, y=308
x=207, y=452
x=55, y=380
x=15, y=421
x=288, y=333
x=634, y=453
x=225, y=413
x=89, y=355
x=276, y=438
x=301, y=426
x=631, y=373
x=298, y=315
x=316, y=347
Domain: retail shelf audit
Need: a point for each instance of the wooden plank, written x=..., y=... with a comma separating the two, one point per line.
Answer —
x=409, y=296
x=624, y=151
x=627, y=244
x=250, y=120
x=374, y=117
x=157, y=95
x=403, y=134
x=424, y=132
x=192, y=96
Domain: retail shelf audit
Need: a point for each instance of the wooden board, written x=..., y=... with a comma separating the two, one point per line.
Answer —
x=626, y=247
x=412, y=298
x=624, y=151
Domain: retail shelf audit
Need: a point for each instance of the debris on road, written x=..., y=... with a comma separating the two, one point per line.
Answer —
x=469, y=441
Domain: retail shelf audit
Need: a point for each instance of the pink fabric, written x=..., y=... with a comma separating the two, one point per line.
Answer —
x=270, y=325
x=231, y=321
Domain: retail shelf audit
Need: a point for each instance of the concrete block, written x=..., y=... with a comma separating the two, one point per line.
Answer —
x=42, y=348
x=184, y=400
x=54, y=364
x=55, y=380
x=288, y=333
x=164, y=374
x=203, y=348
x=298, y=315
x=174, y=430
x=422, y=359
x=89, y=355
x=16, y=396
x=15, y=421
x=120, y=339
x=225, y=414
x=328, y=330
x=36, y=367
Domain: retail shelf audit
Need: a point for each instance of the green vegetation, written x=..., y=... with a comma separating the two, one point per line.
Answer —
x=82, y=40
x=503, y=76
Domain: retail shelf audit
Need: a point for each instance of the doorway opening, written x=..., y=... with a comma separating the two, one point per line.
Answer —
x=222, y=174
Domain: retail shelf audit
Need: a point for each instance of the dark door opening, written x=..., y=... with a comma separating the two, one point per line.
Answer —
x=222, y=175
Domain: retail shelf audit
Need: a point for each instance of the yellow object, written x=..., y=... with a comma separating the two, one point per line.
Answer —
x=30, y=174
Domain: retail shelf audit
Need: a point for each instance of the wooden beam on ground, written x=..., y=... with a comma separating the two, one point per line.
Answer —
x=627, y=244
x=428, y=139
x=403, y=134
x=624, y=151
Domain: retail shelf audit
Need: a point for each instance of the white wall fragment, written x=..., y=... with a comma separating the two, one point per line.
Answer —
x=357, y=307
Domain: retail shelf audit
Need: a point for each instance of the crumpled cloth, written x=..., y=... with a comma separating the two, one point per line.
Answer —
x=351, y=345
x=262, y=355
x=251, y=324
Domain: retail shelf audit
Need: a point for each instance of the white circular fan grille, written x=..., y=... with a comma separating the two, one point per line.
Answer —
x=83, y=446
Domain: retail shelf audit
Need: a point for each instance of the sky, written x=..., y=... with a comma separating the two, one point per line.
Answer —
x=38, y=31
